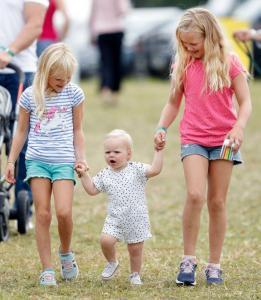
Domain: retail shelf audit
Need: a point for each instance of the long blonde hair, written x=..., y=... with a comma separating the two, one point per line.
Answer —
x=215, y=51
x=55, y=58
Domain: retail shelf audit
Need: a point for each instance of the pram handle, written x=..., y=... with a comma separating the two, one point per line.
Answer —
x=17, y=70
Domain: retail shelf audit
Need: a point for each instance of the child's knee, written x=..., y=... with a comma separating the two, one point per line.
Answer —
x=196, y=199
x=44, y=217
x=107, y=240
x=135, y=249
x=64, y=216
x=216, y=204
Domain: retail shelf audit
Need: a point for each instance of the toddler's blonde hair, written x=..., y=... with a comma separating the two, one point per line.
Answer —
x=55, y=58
x=215, y=57
x=119, y=133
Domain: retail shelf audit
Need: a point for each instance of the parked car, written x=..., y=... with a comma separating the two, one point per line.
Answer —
x=158, y=46
x=142, y=22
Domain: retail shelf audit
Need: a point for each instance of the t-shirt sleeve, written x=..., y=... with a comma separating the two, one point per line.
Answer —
x=236, y=67
x=98, y=182
x=78, y=95
x=141, y=170
x=24, y=100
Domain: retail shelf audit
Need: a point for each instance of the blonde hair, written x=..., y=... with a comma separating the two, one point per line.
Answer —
x=119, y=133
x=55, y=58
x=215, y=51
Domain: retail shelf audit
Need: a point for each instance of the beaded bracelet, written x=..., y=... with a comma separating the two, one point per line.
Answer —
x=162, y=128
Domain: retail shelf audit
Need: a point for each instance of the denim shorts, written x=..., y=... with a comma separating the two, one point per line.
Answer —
x=211, y=153
x=36, y=168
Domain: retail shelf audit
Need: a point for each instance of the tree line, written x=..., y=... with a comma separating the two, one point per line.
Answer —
x=161, y=3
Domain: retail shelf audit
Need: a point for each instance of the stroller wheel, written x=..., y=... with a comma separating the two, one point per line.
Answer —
x=4, y=230
x=23, y=211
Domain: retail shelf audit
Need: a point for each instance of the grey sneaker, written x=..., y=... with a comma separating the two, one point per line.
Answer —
x=110, y=270
x=69, y=267
x=134, y=278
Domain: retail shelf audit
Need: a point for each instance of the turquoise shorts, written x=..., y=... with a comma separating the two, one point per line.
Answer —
x=36, y=168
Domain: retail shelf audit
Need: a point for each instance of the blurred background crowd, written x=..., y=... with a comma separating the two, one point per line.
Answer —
x=148, y=43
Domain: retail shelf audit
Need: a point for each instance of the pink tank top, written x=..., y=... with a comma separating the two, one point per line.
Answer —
x=48, y=31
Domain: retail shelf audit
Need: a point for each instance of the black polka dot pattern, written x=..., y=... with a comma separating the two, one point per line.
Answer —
x=127, y=218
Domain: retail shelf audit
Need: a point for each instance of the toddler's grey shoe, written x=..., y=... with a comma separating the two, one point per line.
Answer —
x=134, y=278
x=110, y=270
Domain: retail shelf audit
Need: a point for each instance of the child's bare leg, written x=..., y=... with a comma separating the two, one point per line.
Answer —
x=41, y=191
x=108, y=247
x=135, y=252
x=63, y=197
x=196, y=187
x=219, y=178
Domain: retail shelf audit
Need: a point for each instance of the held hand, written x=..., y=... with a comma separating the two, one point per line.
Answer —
x=9, y=173
x=235, y=136
x=160, y=140
x=81, y=167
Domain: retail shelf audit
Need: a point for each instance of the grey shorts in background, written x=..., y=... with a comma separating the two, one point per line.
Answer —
x=211, y=153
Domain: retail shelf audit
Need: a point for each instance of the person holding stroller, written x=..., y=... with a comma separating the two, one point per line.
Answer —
x=50, y=115
x=18, y=46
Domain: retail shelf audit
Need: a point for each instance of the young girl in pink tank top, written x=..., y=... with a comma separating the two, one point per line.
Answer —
x=207, y=76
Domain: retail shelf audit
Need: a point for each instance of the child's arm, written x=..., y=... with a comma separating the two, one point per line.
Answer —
x=79, y=141
x=156, y=166
x=168, y=115
x=17, y=143
x=86, y=179
x=242, y=93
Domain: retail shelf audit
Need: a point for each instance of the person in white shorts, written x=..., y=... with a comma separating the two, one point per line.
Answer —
x=124, y=182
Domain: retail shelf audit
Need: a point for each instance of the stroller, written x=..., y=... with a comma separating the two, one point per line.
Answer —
x=22, y=211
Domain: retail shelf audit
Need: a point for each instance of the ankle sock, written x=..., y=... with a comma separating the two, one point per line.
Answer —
x=214, y=266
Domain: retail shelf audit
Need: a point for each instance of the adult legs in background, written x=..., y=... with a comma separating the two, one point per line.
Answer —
x=110, y=65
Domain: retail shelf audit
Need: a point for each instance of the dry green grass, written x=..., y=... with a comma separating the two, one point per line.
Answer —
x=138, y=112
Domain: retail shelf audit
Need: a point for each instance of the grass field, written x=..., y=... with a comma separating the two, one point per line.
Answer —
x=138, y=113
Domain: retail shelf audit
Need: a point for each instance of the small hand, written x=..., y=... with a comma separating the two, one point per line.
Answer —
x=160, y=140
x=9, y=173
x=235, y=137
x=81, y=167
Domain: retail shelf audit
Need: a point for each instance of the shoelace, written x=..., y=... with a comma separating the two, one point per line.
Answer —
x=47, y=277
x=187, y=266
x=135, y=274
x=213, y=273
x=67, y=264
x=109, y=267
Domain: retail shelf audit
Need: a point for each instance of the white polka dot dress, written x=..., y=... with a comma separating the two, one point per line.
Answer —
x=127, y=218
